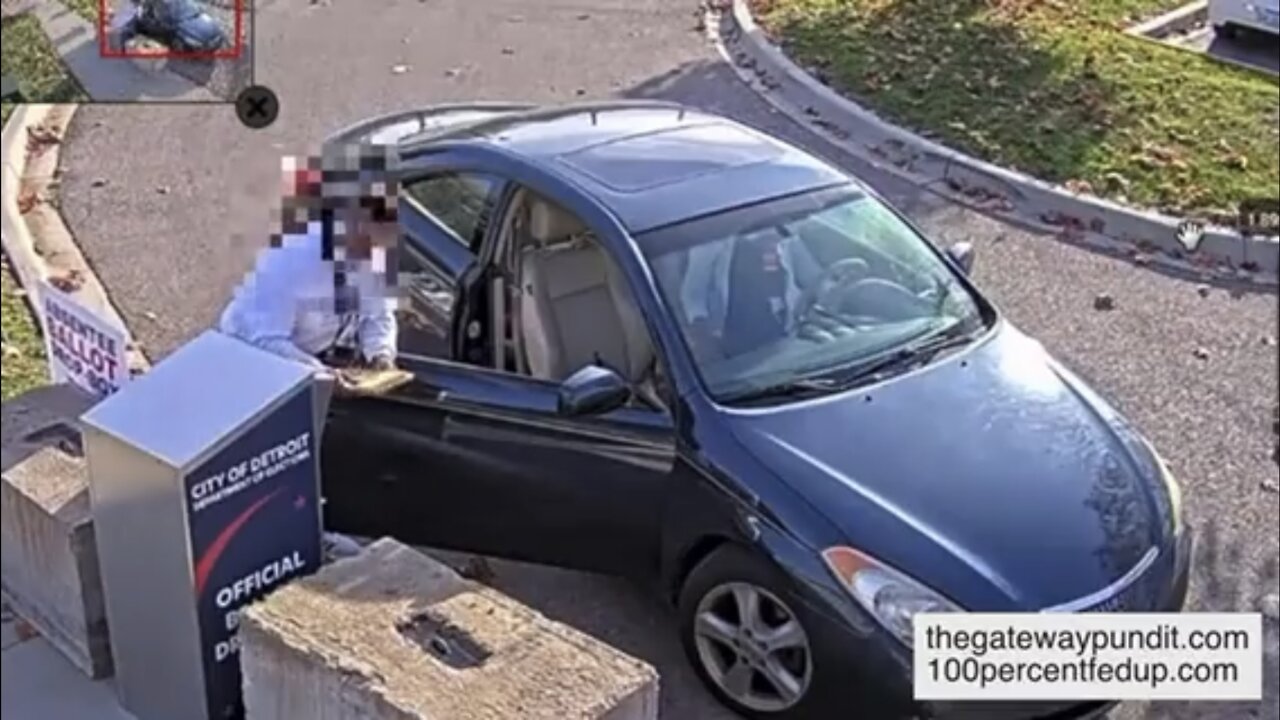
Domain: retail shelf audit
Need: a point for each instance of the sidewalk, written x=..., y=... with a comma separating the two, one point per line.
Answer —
x=107, y=79
x=38, y=683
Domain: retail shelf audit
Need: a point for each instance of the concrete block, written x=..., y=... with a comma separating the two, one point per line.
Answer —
x=394, y=635
x=48, y=559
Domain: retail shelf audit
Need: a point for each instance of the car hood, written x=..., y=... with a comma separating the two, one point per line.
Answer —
x=200, y=30
x=993, y=474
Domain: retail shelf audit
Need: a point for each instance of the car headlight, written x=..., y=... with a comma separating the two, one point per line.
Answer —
x=1171, y=486
x=890, y=597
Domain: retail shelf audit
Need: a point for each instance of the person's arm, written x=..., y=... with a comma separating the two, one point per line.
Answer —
x=378, y=335
x=268, y=312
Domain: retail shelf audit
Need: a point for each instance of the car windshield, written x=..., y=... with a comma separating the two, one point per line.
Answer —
x=804, y=288
x=179, y=10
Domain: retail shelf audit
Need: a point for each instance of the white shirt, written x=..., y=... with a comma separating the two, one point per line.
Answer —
x=286, y=305
x=705, y=291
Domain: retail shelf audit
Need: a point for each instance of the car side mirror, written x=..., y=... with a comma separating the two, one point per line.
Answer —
x=962, y=254
x=593, y=390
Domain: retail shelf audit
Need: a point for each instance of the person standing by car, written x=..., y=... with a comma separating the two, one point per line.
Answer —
x=323, y=293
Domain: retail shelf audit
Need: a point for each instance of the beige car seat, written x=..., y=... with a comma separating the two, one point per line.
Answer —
x=576, y=308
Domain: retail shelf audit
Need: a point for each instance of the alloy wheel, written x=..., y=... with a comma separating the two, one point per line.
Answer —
x=753, y=647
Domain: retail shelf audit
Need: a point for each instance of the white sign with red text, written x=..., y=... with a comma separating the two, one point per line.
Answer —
x=82, y=347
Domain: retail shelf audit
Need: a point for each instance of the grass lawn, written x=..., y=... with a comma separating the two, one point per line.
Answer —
x=1053, y=88
x=23, y=367
x=29, y=56
x=88, y=9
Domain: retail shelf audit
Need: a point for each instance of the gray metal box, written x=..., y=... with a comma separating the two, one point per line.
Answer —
x=204, y=478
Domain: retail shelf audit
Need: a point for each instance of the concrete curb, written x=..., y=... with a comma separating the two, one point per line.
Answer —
x=38, y=244
x=1008, y=195
x=1174, y=21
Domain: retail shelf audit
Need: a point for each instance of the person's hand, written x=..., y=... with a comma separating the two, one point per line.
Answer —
x=382, y=362
x=342, y=385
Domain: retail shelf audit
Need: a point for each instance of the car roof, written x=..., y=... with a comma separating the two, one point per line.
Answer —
x=651, y=164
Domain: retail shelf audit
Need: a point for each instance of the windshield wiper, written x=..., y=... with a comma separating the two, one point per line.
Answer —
x=905, y=357
x=866, y=372
x=793, y=388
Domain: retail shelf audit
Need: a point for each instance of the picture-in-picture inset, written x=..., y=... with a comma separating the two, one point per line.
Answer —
x=126, y=50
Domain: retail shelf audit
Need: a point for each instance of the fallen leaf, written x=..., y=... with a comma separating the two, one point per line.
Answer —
x=477, y=569
x=69, y=282
x=27, y=201
x=1162, y=153
x=24, y=630
x=1148, y=163
x=1237, y=162
x=1079, y=187
x=1117, y=182
x=40, y=137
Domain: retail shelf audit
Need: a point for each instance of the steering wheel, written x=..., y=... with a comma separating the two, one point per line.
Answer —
x=833, y=281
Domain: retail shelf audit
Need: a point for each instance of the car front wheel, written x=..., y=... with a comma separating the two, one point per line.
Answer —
x=748, y=639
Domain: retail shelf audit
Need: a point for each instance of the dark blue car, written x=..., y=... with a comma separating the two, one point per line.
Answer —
x=182, y=25
x=655, y=343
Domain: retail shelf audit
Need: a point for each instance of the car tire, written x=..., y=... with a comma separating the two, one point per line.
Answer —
x=1226, y=31
x=709, y=603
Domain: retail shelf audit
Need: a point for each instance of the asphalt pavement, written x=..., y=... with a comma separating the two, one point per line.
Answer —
x=170, y=204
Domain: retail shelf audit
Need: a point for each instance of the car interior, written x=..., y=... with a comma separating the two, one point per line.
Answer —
x=568, y=304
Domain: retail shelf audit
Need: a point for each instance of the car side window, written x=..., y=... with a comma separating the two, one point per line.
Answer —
x=568, y=304
x=427, y=305
x=460, y=202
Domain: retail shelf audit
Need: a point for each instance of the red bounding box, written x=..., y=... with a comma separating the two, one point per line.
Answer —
x=231, y=52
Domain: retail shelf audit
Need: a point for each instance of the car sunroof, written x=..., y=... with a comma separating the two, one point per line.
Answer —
x=647, y=161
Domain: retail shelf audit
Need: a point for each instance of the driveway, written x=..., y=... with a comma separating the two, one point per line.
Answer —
x=170, y=204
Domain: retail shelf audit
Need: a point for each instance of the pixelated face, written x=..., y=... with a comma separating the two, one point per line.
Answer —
x=356, y=185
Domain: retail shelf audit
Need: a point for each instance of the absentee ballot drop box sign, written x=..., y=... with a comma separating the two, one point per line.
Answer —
x=204, y=476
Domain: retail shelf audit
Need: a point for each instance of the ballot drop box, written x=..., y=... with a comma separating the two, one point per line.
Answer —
x=204, y=478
